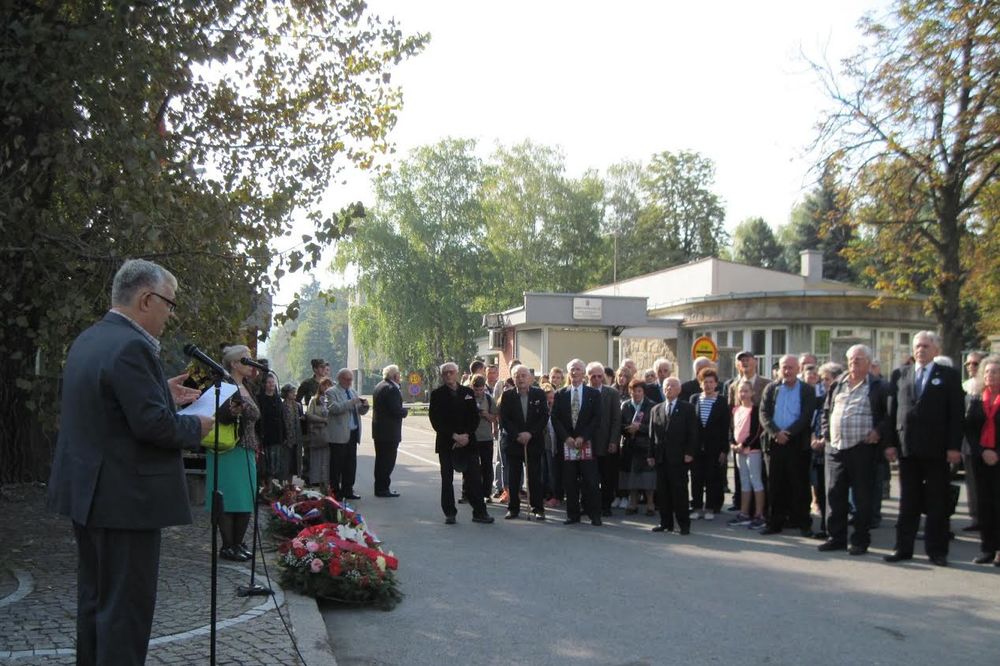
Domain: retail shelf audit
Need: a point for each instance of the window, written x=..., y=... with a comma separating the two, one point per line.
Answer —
x=722, y=338
x=777, y=341
x=738, y=339
x=758, y=342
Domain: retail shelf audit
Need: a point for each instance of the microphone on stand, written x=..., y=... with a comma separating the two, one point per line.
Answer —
x=205, y=360
x=263, y=367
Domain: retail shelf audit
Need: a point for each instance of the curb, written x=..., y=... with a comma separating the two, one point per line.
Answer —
x=309, y=629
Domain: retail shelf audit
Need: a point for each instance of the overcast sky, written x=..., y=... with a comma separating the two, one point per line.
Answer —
x=613, y=81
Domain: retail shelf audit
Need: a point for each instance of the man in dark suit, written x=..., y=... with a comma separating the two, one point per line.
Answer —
x=654, y=390
x=786, y=410
x=387, y=428
x=608, y=436
x=576, y=415
x=524, y=414
x=692, y=386
x=853, y=423
x=926, y=406
x=454, y=417
x=118, y=472
x=673, y=428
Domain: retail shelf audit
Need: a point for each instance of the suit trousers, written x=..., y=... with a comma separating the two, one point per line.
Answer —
x=988, y=487
x=924, y=487
x=573, y=472
x=672, y=495
x=610, y=466
x=788, y=486
x=470, y=481
x=850, y=471
x=116, y=594
x=706, y=482
x=554, y=481
x=517, y=455
x=385, y=462
x=344, y=465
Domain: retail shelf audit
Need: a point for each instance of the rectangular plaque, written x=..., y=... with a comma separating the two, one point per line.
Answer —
x=587, y=308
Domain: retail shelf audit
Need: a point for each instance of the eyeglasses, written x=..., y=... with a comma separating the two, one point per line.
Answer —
x=972, y=364
x=170, y=304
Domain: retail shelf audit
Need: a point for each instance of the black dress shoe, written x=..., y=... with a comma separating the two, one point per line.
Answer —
x=896, y=556
x=571, y=521
x=352, y=496
x=971, y=528
x=596, y=522
x=857, y=550
x=233, y=555
x=770, y=530
x=983, y=558
x=821, y=535
x=827, y=546
x=388, y=493
x=662, y=528
x=449, y=520
x=485, y=519
x=462, y=500
x=510, y=515
x=685, y=531
x=938, y=560
x=244, y=551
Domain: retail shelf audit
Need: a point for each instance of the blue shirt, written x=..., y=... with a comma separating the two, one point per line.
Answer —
x=787, y=405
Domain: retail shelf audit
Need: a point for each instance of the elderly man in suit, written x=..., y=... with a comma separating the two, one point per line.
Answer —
x=576, y=416
x=343, y=431
x=673, y=427
x=454, y=417
x=387, y=428
x=118, y=472
x=786, y=411
x=926, y=410
x=524, y=414
x=608, y=435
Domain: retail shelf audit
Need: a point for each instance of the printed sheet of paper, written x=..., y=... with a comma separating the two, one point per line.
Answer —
x=205, y=405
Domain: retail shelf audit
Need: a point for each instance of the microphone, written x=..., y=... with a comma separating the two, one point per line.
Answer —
x=205, y=359
x=254, y=364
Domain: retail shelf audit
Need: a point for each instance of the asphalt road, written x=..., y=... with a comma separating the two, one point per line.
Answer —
x=520, y=592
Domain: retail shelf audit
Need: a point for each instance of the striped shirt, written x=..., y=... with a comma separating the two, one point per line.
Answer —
x=705, y=407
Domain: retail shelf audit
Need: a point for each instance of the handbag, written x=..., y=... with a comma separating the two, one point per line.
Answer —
x=228, y=438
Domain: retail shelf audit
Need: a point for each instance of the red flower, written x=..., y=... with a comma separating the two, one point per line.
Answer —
x=299, y=552
x=335, y=567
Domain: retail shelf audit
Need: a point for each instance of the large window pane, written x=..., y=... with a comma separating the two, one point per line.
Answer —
x=758, y=341
x=738, y=339
x=777, y=341
x=722, y=338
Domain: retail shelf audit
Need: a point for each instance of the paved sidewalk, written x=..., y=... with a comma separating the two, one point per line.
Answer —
x=38, y=596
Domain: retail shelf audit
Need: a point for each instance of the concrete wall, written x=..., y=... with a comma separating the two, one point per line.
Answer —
x=646, y=350
x=585, y=344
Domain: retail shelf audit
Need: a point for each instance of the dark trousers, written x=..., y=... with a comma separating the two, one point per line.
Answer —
x=116, y=594
x=517, y=456
x=788, y=486
x=609, y=466
x=573, y=471
x=484, y=449
x=924, y=487
x=555, y=477
x=988, y=496
x=470, y=480
x=672, y=494
x=385, y=462
x=706, y=482
x=850, y=471
x=344, y=465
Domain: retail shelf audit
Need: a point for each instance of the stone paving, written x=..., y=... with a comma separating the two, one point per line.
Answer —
x=38, y=594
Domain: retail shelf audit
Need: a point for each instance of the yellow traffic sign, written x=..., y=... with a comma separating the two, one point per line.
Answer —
x=414, y=378
x=705, y=346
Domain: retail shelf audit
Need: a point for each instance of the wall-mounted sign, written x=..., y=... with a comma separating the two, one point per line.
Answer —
x=414, y=377
x=587, y=308
x=705, y=346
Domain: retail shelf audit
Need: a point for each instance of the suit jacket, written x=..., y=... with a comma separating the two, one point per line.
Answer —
x=610, y=428
x=639, y=443
x=928, y=427
x=387, y=413
x=653, y=391
x=713, y=437
x=801, y=430
x=513, y=421
x=878, y=399
x=674, y=435
x=118, y=457
x=452, y=414
x=688, y=389
x=338, y=418
x=587, y=420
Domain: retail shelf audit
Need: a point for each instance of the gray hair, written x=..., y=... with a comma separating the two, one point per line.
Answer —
x=232, y=354
x=575, y=361
x=518, y=368
x=699, y=363
x=833, y=369
x=136, y=274
x=595, y=365
x=660, y=362
x=344, y=371
x=992, y=359
x=448, y=366
x=389, y=371
x=864, y=349
x=793, y=357
x=930, y=335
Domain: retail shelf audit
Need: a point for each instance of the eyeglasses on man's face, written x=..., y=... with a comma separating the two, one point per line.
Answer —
x=171, y=305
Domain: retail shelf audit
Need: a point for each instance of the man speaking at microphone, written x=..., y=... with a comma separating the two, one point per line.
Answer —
x=118, y=472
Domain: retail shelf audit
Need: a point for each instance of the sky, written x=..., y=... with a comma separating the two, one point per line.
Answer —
x=607, y=82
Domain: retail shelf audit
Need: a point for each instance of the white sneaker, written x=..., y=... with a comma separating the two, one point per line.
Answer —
x=617, y=504
x=709, y=515
x=695, y=515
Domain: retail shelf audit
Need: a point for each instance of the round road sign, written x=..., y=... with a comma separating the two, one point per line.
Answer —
x=705, y=346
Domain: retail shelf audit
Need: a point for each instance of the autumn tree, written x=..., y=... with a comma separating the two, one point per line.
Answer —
x=189, y=133
x=915, y=125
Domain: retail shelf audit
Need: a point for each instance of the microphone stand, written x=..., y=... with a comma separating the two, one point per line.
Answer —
x=256, y=589
x=216, y=517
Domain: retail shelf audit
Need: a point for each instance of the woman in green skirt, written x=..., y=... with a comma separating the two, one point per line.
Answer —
x=238, y=466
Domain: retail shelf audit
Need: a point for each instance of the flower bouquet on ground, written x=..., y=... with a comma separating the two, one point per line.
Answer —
x=296, y=509
x=340, y=561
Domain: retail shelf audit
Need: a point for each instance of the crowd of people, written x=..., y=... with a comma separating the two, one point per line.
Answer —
x=812, y=439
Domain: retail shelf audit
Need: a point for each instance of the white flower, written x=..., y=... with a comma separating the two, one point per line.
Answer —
x=380, y=563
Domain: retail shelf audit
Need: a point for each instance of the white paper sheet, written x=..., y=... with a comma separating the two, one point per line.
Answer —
x=205, y=405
